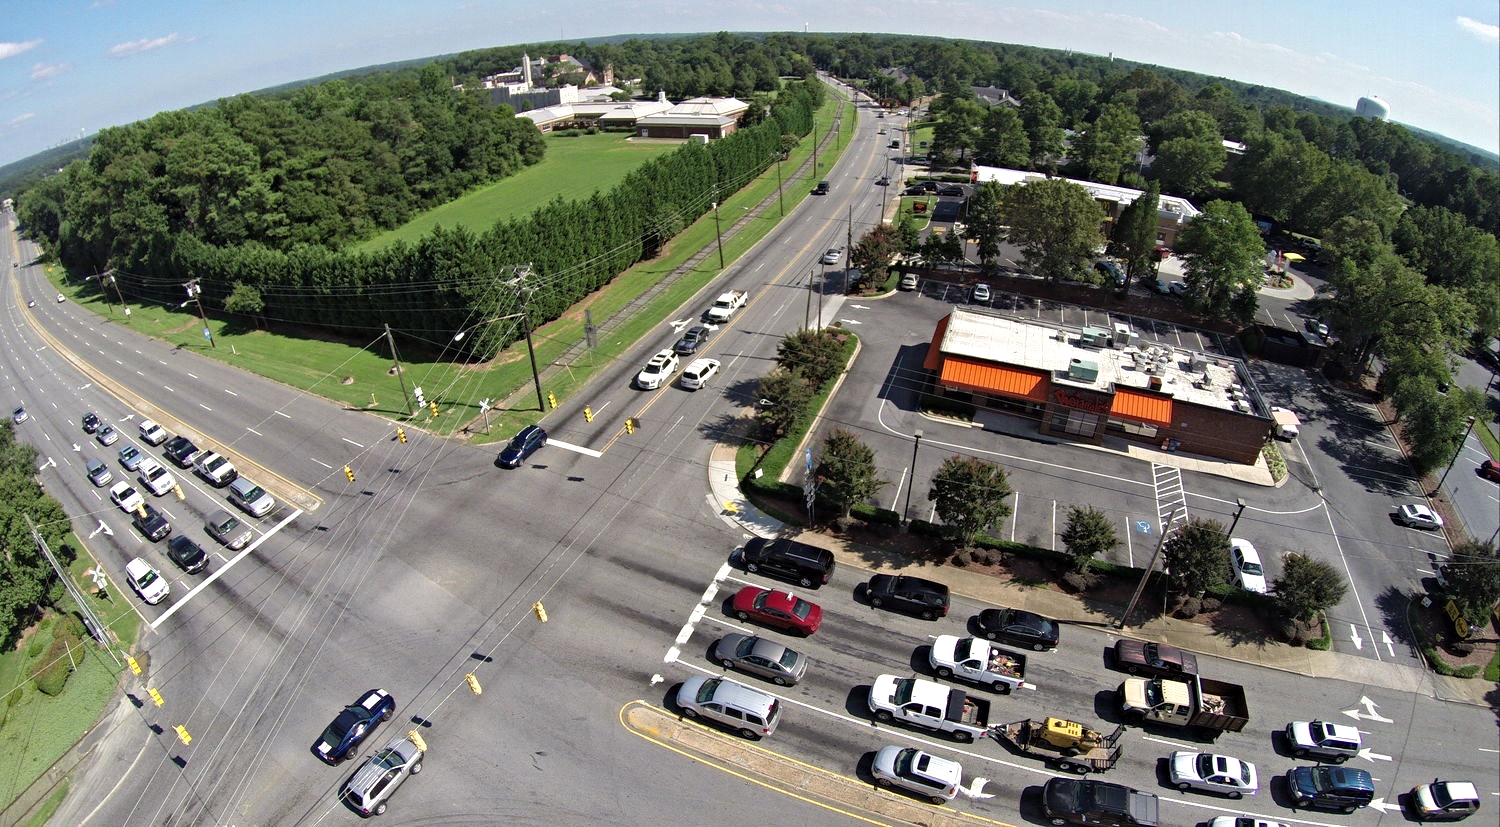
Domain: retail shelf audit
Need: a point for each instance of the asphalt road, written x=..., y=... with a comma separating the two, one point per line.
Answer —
x=427, y=568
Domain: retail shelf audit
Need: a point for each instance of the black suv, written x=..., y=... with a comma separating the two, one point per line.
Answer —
x=1330, y=788
x=151, y=523
x=181, y=450
x=807, y=566
x=913, y=595
x=1086, y=801
x=695, y=338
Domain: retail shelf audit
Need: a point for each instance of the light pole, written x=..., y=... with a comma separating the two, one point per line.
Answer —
x=1451, y=462
x=1239, y=503
x=916, y=442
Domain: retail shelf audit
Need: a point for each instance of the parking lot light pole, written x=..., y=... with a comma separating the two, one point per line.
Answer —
x=1239, y=503
x=916, y=442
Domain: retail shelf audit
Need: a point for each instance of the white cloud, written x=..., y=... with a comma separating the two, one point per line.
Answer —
x=45, y=71
x=20, y=119
x=13, y=49
x=1487, y=32
x=136, y=47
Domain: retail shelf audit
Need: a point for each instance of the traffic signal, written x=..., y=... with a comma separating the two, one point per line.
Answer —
x=182, y=734
x=135, y=665
x=588, y=414
x=401, y=435
x=474, y=684
x=433, y=407
x=417, y=392
x=630, y=425
x=540, y=611
x=156, y=697
x=552, y=399
x=349, y=472
x=416, y=738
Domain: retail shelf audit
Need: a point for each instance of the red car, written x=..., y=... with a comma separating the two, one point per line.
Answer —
x=777, y=609
x=1490, y=470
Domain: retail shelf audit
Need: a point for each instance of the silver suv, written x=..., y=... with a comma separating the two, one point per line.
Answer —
x=250, y=497
x=1319, y=739
x=750, y=712
x=379, y=776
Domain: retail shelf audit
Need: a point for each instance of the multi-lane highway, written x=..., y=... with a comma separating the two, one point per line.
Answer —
x=428, y=566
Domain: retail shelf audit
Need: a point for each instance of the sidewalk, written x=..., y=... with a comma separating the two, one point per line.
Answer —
x=736, y=510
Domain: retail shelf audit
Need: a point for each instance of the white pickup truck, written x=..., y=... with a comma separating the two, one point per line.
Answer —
x=978, y=661
x=725, y=306
x=930, y=705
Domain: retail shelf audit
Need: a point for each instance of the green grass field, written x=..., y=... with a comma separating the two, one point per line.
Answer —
x=574, y=169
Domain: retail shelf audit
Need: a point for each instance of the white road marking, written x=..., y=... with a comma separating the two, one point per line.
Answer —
x=568, y=446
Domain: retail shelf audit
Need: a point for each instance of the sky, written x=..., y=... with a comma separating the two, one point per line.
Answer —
x=69, y=68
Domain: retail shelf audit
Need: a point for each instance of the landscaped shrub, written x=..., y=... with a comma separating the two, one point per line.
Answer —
x=57, y=665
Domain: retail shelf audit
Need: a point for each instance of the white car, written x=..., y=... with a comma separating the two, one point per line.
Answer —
x=126, y=497
x=152, y=433
x=832, y=256
x=658, y=371
x=1178, y=288
x=697, y=374
x=923, y=773
x=1243, y=821
x=1248, y=571
x=980, y=293
x=157, y=479
x=147, y=582
x=1418, y=516
x=1212, y=773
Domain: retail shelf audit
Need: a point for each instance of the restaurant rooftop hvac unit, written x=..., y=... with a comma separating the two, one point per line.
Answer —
x=1082, y=370
x=1124, y=337
x=1093, y=337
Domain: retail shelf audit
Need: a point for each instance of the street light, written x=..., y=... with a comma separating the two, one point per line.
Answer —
x=1461, y=443
x=916, y=442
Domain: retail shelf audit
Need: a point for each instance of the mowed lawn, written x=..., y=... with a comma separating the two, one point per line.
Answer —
x=574, y=168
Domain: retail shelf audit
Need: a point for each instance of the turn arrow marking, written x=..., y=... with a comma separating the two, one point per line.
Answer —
x=1359, y=644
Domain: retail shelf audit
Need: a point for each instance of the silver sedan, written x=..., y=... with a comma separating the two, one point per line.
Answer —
x=761, y=657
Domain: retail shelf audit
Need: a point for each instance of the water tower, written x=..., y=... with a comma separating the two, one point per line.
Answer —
x=1373, y=107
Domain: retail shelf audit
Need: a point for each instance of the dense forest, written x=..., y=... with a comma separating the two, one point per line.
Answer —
x=259, y=196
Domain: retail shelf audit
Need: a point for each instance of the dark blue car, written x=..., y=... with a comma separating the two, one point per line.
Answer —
x=522, y=446
x=352, y=725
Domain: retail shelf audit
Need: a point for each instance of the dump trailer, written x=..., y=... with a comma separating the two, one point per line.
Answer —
x=1067, y=745
x=1204, y=704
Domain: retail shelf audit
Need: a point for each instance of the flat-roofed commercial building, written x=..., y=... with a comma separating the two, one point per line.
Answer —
x=1087, y=384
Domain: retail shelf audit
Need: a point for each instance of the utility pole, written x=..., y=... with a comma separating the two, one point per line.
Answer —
x=718, y=235
x=391, y=340
x=1146, y=575
x=525, y=293
x=195, y=294
x=779, y=203
x=90, y=620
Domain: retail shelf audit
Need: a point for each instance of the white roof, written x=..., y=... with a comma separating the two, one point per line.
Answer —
x=1182, y=372
x=1171, y=204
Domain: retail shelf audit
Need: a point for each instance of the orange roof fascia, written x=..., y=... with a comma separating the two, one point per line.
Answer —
x=1142, y=407
x=934, y=357
x=979, y=376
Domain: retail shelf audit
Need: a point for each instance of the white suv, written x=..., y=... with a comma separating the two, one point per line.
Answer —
x=152, y=433
x=156, y=478
x=1319, y=739
x=658, y=371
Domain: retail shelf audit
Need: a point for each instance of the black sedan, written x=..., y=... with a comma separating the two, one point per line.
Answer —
x=1019, y=627
x=90, y=422
x=913, y=595
x=694, y=338
x=188, y=555
x=357, y=721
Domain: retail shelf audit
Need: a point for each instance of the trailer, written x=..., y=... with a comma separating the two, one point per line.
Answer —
x=1067, y=745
